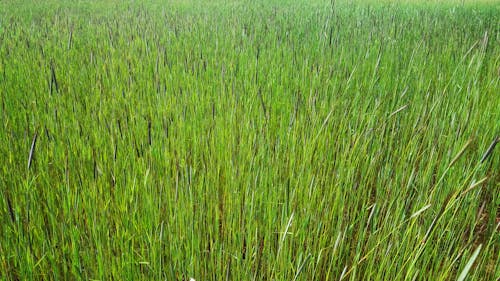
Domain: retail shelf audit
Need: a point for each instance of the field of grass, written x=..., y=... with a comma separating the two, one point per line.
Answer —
x=249, y=140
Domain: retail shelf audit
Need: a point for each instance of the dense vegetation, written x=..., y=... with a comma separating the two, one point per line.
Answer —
x=249, y=140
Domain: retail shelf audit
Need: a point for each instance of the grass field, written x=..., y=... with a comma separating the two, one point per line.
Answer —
x=249, y=140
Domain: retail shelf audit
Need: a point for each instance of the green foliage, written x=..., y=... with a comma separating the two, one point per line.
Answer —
x=249, y=140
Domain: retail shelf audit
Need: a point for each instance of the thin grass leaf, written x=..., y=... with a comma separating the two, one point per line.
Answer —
x=469, y=264
x=32, y=150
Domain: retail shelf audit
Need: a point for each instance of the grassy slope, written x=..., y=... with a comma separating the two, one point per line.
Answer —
x=249, y=140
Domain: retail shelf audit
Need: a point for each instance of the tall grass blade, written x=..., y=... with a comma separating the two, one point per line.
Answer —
x=469, y=264
x=32, y=150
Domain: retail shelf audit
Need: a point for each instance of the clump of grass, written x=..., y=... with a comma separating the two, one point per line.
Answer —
x=286, y=140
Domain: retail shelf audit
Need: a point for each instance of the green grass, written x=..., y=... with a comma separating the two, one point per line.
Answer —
x=249, y=140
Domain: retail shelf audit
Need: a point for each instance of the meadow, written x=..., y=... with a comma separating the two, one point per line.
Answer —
x=249, y=140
